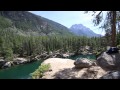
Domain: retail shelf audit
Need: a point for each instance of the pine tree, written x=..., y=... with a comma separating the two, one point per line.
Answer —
x=112, y=17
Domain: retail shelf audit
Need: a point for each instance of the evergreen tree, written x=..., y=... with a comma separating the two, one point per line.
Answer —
x=112, y=17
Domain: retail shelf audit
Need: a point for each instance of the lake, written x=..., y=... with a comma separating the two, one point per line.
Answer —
x=20, y=71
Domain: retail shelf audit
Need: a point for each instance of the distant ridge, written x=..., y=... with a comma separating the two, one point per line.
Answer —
x=27, y=23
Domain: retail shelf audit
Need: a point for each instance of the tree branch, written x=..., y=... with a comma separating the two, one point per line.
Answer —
x=99, y=13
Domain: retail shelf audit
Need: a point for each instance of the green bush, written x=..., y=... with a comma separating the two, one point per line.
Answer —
x=40, y=71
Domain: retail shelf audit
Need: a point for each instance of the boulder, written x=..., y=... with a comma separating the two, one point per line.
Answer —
x=1, y=60
x=57, y=64
x=20, y=60
x=94, y=64
x=65, y=55
x=43, y=56
x=109, y=61
x=82, y=63
x=7, y=64
x=111, y=75
x=93, y=72
x=58, y=55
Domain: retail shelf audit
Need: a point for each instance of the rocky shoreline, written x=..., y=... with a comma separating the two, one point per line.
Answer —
x=107, y=66
x=45, y=55
x=16, y=61
x=20, y=60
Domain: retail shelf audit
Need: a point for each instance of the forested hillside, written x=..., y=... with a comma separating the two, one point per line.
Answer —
x=10, y=44
x=26, y=23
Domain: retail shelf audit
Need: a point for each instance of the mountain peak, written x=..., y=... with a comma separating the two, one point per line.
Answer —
x=76, y=26
x=81, y=30
x=80, y=27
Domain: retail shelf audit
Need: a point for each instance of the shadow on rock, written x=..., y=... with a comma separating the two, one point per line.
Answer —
x=109, y=61
x=69, y=73
x=93, y=72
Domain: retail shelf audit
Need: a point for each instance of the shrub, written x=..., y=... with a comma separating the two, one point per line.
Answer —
x=40, y=71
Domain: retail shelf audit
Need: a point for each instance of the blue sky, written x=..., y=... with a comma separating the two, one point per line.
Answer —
x=68, y=18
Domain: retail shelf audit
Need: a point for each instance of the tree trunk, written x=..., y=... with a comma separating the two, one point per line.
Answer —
x=113, y=37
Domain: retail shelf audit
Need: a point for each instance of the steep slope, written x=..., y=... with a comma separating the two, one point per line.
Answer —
x=26, y=23
x=80, y=30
